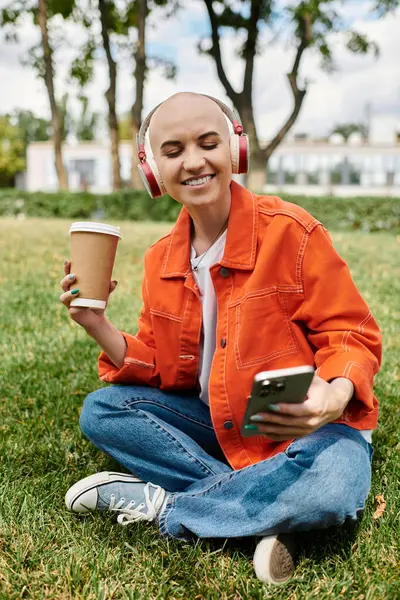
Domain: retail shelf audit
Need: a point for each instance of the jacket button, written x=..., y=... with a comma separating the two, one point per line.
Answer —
x=222, y=342
x=224, y=272
x=228, y=425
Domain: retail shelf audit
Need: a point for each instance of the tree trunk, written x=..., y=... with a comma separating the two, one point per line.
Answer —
x=140, y=74
x=48, y=78
x=111, y=97
x=256, y=178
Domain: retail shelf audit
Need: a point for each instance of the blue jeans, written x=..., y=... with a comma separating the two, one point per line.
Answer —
x=168, y=439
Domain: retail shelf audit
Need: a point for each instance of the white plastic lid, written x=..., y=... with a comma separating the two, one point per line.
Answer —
x=92, y=227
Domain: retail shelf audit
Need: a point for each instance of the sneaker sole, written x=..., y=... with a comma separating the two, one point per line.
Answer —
x=273, y=559
x=93, y=481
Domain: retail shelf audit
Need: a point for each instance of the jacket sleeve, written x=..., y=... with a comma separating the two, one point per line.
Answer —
x=341, y=329
x=140, y=361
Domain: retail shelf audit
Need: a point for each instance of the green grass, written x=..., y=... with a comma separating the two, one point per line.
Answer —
x=48, y=365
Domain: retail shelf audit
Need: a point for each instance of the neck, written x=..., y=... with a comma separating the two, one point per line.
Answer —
x=208, y=222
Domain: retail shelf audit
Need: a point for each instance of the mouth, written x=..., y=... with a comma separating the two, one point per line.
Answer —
x=198, y=182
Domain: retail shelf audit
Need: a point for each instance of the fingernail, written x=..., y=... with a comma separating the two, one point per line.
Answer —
x=257, y=418
x=252, y=427
x=274, y=407
x=65, y=262
x=75, y=291
x=72, y=276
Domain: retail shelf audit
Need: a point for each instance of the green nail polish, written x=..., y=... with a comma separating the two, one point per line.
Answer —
x=253, y=427
x=71, y=276
x=75, y=291
x=274, y=407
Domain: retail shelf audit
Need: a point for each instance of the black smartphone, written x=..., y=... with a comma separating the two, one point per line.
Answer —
x=271, y=387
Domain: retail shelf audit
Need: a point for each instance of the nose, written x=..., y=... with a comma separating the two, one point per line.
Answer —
x=193, y=160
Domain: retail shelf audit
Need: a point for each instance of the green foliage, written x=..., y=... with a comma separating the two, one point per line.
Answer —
x=347, y=129
x=85, y=125
x=82, y=66
x=365, y=214
x=31, y=127
x=11, y=151
x=125, y=127
x=384, y=6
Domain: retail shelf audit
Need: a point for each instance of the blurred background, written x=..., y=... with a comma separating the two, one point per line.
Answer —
x=317, y=85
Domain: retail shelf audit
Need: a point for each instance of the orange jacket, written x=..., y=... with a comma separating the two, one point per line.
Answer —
x=285, y=298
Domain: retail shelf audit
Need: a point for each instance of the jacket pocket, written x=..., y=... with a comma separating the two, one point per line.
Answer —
x=262, y=329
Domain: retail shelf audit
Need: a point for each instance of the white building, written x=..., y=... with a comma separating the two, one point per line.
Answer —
x=88, y=165
x=296, y=167
x=335, y=168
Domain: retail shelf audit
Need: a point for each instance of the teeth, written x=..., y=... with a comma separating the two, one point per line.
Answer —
x=198, y=181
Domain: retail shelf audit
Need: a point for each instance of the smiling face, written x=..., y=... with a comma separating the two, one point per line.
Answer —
x=189, y=137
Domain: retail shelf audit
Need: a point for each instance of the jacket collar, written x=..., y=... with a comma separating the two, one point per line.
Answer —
x=241, y=239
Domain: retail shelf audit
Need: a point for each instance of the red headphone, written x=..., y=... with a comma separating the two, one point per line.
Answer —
x=239, y=146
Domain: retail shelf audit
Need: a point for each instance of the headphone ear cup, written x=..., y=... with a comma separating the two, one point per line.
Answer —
x=240, y=153
x=151, y=178
x=156, y=173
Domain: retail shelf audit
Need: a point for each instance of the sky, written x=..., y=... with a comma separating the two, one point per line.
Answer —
x=343, y=96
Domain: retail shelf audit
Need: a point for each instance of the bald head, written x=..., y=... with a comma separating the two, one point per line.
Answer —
x=184, y=113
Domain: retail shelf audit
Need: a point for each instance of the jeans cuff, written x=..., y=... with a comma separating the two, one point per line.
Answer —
x=162, y=518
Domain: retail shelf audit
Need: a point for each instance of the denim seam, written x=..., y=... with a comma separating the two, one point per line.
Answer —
x=195, y=459
x=162, y=521
x=132, y=402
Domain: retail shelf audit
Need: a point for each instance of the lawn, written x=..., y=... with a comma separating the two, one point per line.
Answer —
x=48, y=365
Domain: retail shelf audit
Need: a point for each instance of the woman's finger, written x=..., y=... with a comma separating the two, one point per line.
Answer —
x=67, y=266
x=67, y=281
x=274, y=419
x=300, y=409
x=113, y=285
x=68, y=296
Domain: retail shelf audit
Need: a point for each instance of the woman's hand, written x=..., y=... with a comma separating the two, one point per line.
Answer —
x=89, y=318
x=325, y=402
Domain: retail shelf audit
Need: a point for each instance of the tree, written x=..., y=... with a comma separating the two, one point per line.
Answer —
x=384, y=6
x=125, y=127
x=43, y=17
x=42, y=59
x=311, y=22
x=12, y=158
x=85, y=125
x=107, y=15
x=139, y=74
x=347, y=129
x=108, y=19
x=31, y=127
x=136, y=17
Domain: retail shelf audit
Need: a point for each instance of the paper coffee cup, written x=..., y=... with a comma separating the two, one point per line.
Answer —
x=93, y=247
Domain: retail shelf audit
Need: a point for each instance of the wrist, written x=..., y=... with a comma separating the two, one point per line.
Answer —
x=99, y=327
x=343, y=389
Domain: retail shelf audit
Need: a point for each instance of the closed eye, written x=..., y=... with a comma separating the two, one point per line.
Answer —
x=204, y=146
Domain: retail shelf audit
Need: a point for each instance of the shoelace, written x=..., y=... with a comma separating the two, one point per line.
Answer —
x=128, y=514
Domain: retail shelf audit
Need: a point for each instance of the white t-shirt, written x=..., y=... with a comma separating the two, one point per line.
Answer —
x=209, y=306
x=209, y=309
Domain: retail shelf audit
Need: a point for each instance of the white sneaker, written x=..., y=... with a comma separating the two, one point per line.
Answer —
x=129, y=496
x=274, y=558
